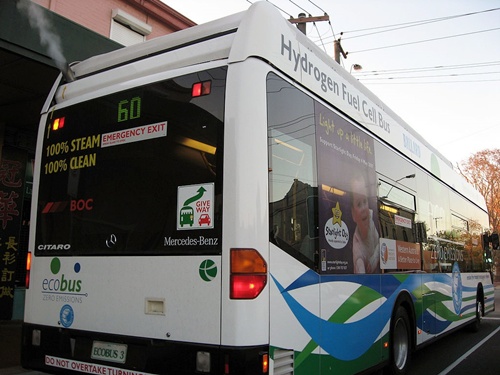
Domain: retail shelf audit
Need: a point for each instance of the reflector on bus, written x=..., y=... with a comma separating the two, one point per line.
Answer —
x=265, y=363
x=28, y=269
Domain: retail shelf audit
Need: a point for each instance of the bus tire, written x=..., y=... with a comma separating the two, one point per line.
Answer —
x=400, y=343
x=476, y=323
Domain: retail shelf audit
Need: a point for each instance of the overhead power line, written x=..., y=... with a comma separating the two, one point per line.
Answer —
x=317, y=6
x=431, y=82
x=382, y=72
x=428, y=76
x=323, y=44
x=425, y=40
x=468, y=135
x=398, y=26
x=298, y=6
x=321, y=40
x=404, y=25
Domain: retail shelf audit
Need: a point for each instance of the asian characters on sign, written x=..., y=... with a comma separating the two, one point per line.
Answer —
x=10, y=180
x=11, y=198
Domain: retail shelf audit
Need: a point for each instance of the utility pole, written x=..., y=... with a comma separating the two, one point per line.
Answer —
x=338, y=50
x=302, y=20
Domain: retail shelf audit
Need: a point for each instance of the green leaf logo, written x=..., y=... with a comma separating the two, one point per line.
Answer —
x=208, y=270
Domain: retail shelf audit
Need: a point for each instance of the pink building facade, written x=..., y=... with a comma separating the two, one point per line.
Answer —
x=125, y=21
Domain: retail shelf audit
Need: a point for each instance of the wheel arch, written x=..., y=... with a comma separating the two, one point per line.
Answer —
x=403, y=314
x=405, y=300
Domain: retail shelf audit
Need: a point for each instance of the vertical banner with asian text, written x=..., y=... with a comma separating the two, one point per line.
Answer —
x=12, y=170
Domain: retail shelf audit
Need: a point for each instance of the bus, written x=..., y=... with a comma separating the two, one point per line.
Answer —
x=227, y=199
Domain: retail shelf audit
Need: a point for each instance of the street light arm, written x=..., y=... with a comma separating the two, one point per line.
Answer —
x=392, y=186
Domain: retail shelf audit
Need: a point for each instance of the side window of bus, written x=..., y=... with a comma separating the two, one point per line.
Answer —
x=293, y=187
x=396, y=223
x=397, y=213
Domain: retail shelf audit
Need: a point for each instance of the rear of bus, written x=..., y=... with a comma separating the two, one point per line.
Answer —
x=127, y=271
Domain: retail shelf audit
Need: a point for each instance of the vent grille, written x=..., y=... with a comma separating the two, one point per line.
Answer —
x=283, y=362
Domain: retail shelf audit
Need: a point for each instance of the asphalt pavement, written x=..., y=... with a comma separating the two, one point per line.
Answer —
x=10, y=344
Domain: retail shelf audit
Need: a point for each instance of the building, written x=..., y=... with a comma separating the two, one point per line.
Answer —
x=124, y=21
x=72, y=31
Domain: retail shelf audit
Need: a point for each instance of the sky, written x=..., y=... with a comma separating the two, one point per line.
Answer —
x=436, y=63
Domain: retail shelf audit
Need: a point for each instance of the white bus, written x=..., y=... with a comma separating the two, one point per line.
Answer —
x=228, y=200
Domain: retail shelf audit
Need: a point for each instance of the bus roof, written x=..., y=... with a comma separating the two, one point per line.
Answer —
x=262, y=32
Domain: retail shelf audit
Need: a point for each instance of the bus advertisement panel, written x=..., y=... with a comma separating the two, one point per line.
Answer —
x=349, y=238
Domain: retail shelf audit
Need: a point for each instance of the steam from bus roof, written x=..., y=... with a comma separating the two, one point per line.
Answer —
x=48, y=37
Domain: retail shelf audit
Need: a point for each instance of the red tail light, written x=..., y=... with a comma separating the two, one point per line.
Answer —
x=248, y=274
x=28, y=269
x=201, y=88
x=58, y=123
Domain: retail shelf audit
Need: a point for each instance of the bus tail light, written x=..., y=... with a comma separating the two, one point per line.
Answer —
x=226, y=364
x=201, y=88
x=265, y=363
x=58, y=123
x=248, y=274
x=28, y=269
x=263, y=360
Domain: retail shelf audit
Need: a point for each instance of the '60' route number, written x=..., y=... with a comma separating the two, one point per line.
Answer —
x=129, y=109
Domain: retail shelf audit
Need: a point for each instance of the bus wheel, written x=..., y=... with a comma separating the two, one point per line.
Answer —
x=400, y=343
x=476, y=323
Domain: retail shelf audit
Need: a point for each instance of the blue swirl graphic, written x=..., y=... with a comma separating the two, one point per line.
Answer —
x=345, y=341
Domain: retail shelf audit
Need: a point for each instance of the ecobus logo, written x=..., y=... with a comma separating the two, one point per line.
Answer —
x=60, y=283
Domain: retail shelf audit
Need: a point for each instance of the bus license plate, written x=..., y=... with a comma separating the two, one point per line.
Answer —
x=106, y=351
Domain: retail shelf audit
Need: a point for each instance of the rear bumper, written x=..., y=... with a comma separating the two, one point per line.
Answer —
x=69, y=351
